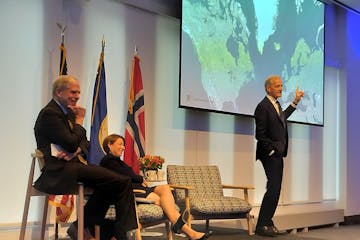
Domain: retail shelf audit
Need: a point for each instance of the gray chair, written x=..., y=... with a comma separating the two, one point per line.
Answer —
x=202, y=194
x=31, y=192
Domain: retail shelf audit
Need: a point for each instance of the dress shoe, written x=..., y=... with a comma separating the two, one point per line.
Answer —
x=277, y=231
x=205, y=236
x=267, y=231
x=72, y=232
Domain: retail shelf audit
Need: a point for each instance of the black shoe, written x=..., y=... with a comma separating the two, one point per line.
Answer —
x=72, y=231
x=267, y=231
x=277, y=231
x=206, y=235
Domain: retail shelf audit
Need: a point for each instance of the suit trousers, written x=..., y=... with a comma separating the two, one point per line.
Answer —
x=109, y=188
x=273, y=167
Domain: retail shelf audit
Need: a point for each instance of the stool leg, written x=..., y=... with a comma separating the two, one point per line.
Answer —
x=97, y=232
x=81, y=212
x=29, y=191
x=44, y=218
x=56, y=230
x=24, y=217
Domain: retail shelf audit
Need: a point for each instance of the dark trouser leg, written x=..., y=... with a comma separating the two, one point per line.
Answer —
x=125, y=211
x=273, y=167
x=109, y=188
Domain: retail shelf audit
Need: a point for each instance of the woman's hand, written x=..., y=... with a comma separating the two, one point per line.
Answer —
x=144, y=183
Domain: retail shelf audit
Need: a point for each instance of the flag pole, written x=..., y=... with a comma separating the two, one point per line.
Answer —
x=62, y=31
x=136, y=50
x=103, y=43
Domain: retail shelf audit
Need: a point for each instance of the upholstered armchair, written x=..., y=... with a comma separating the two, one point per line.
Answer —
x=199, y=189
x=148, y=214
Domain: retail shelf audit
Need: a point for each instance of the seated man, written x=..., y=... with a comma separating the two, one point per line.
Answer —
x=59, y=125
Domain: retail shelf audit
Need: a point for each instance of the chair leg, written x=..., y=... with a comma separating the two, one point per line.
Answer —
x=138, y=234
x=249, y=222
x=207, y=225
x=44, y=217
x=168, y=231
x=80, y=208
x=137, y=231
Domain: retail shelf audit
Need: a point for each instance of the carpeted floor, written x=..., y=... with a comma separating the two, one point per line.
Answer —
x=220, y=233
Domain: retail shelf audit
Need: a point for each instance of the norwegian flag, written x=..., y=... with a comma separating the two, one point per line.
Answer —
x=135, y=123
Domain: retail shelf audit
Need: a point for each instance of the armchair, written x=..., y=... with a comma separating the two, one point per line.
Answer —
x=199, y=189
x=148, y=214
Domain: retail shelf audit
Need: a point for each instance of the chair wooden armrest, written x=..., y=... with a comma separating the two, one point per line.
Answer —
x=138, y=191
x=245, y=188
x=185, y=187
x=237, y=187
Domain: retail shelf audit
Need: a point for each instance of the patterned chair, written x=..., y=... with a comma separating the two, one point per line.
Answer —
x=148, y=214
x=202, y=194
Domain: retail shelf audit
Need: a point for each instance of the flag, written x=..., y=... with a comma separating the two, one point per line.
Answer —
x=63, y=65
x=64, y=203
x=99, y=121
x=135, y=122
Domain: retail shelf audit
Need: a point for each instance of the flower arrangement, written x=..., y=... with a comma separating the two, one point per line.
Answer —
x=149, y=162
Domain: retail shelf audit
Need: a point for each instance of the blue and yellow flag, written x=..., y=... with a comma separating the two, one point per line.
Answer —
x=99, y=122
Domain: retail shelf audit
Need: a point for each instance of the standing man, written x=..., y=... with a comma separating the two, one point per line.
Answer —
x=62, y=139
x=271, y=148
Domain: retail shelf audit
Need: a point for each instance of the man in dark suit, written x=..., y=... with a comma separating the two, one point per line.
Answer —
x=62, y=139
x=271, y=148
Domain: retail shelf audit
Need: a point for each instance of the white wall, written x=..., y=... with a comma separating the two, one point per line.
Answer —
x=30, y=60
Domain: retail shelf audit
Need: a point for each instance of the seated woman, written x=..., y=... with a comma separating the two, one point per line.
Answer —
x=114, y=146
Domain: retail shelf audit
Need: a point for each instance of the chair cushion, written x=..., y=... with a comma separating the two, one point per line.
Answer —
x=150, y=213
x=147, y=213
x=219, y=205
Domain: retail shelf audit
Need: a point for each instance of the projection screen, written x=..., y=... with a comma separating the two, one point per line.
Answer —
x=229, y=47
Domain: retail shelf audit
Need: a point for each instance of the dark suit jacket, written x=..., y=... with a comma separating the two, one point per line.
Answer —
x=271, y=130
x=53, y=126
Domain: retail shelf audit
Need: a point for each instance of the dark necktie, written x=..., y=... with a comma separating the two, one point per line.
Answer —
x=279, y=108
x=280, y=113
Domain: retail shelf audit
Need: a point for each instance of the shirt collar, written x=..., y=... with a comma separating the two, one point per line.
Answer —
x=272, y=99
x=61, y=106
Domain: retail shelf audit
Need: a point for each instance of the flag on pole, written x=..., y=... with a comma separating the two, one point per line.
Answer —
x=135, y=123
x=99, y=121
x=64, y=203
x=63, y=64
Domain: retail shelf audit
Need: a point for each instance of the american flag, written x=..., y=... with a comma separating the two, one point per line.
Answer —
x=64, y=203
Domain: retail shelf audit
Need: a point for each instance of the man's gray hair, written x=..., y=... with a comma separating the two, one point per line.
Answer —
x=61, y=83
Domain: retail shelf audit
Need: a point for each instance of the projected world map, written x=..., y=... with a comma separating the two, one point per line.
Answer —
x=238, y=43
